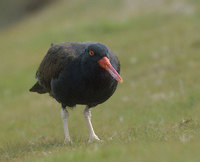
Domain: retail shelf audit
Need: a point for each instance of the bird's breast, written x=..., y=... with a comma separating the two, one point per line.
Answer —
x=88, y=87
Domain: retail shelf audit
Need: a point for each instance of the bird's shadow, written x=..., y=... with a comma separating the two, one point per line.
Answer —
x=42, y=145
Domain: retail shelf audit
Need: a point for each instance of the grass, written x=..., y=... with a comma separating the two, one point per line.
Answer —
x=153, y=116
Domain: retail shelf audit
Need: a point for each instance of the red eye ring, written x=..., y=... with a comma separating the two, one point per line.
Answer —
x=91, y=53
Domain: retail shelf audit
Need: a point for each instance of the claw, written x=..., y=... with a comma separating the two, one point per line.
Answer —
x=67, y=141
x=94, y=138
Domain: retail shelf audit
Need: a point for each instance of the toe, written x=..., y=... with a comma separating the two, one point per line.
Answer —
x=94, y=138
x=67, y=141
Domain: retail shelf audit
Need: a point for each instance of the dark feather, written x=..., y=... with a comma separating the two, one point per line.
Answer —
x=38, y=88
x=71, y=77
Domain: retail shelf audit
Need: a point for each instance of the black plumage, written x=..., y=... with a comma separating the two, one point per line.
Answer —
x=72, y=76
x=78, y=73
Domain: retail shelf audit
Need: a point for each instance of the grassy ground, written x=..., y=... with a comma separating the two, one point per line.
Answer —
x=153, y=116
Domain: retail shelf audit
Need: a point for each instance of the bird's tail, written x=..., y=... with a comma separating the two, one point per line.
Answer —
x=38, y=88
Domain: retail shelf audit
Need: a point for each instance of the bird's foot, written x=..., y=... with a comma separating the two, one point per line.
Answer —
x=67, y=140
x=94, y=138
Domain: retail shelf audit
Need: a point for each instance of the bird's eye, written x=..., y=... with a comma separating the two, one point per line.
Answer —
x=91, y=53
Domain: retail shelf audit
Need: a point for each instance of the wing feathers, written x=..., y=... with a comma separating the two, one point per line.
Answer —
x=55, y=60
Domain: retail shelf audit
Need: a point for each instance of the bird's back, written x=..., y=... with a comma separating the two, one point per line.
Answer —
x=57, y=57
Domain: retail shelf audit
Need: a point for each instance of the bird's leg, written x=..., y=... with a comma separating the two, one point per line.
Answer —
x=87, y=115
x=65, y=116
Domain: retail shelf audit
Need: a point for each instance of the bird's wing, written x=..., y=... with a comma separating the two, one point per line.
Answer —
x=57, y=57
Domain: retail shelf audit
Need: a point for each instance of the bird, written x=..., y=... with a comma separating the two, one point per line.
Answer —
x=78, y=73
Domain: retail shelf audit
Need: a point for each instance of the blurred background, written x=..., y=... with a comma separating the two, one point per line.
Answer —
x=153, y=116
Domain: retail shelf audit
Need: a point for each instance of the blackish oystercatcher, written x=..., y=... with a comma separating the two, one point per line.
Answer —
x=85, y=73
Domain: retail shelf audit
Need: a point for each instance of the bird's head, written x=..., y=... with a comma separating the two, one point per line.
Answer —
x=99, y=54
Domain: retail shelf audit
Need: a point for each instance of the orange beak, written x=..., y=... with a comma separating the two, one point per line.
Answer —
x=105, y=63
